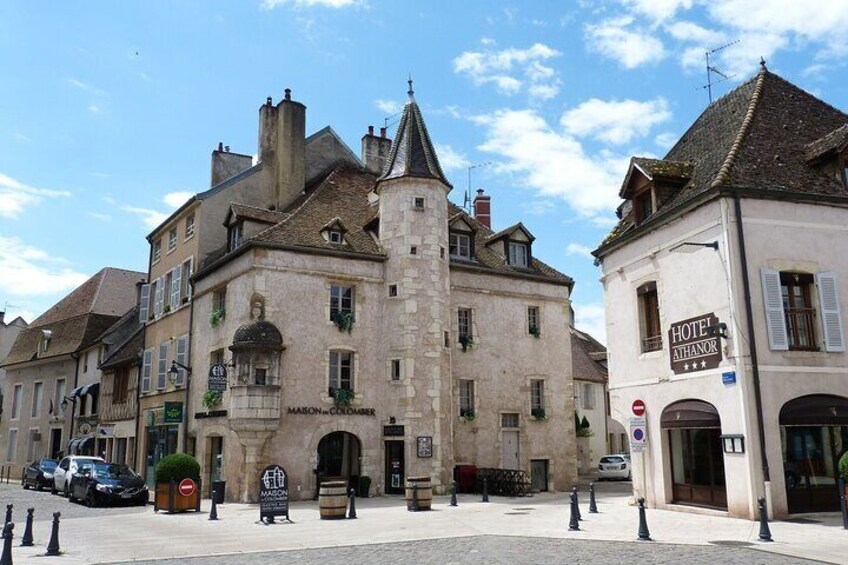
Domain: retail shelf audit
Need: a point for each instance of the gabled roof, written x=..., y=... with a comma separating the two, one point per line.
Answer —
x=756, y=138
x=67, y=336
x=504, y=233
x=588, y=358
x=252, y=213
x=412, y=153
x=117, y=340
x=656, y=168
x=833, y=142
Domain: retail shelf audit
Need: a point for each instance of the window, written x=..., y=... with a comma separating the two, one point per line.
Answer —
x=533, y=327
x=16, y=401
x=175, y=286
x=537, y=394
x=37, y=394
x=120, y=392
x=643, y=206
x=649, y=317
x=219, y=300
x=159, y=297
x=341, y=371
x=162, y=375
x=341, y=301
x=460, y=245
x=189, y=226
x=260, y=376
x=335, y=237
x=418, y=203
x=146, y=370
x=509, y=420
x=157, y=250
x=587, y=396
x=12, y=445
x=441, y=252
x=172, y=239
x=800, y=315
x=447, y=339
x=58, y=395
x=465, y=323
x=82, y=404
x=392, y=290
x=235, y=236
x=395, y=370
x=413, y=250
x=466, y=398
x=34, y=437
x=518, y=254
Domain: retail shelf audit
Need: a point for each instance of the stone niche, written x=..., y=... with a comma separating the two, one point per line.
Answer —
x=255, y=387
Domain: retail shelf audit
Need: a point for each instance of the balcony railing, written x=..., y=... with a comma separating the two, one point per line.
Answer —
x=800, y=328
x=652, y=343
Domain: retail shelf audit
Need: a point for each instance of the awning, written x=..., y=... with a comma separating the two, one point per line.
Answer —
x=78, y=443
x=815, y=410
x=690, y=414
x=92, y=388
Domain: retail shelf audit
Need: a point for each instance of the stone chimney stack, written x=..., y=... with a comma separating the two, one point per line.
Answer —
x=282, y=148
x=226, y=164
x=2, y=317
x=375, y=150
x=483, y=208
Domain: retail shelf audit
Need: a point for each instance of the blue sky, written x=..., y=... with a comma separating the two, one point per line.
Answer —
x=110, y=110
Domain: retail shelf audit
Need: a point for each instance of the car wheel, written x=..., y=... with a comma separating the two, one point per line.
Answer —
x=24, y=484
x=53, y=489
x=89, y=499
x=67, y=491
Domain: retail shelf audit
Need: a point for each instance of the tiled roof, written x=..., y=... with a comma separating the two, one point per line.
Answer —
x=67, y=336
x=588, y=358
x=663, y=168
x=833, y=141
x=114, y=338
x=261, y=215
x=412, y=152
x=755, y=137
x=126, y=352
x=260, y=333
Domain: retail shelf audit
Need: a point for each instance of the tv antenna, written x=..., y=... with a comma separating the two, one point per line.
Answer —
x=711, y=69
x=466, y=203
x=391, y=119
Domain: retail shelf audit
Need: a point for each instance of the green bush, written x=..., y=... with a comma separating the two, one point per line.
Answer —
x=843, y=466
x=176, y=467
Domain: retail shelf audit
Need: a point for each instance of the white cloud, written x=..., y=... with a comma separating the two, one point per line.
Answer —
x=94, y=108
x=666, y=140
x=15, y=196
x=21, y=137
x=580, y=250
x=512, y=70
x=176, y=199
x=590, y=318
x=615, y=121
x=630, y=47
x=99, y=216
x=539, y=207
x=87, y=87
x=487, y=41
x=29, y=271
x=659, y=9
x=388, y=107
x=689, y=31
x=451, y=159
x=150, y=218
x=271, y=4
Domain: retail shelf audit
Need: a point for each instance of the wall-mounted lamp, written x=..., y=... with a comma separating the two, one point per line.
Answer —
x=65, y=400
x=733, y=443
x=692, y=247
x=719, y=330
x=392, y=419
x=174, y=371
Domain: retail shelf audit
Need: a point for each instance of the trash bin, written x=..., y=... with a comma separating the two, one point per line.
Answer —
x=220, y=489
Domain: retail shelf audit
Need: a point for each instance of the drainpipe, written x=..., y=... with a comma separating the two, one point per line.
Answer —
x=76, y=357
x=190, y=364
x=752, y=341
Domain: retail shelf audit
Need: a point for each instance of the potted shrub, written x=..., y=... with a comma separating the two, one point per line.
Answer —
x=535, y=332
x=538, y=413
x=466, y=341
x=342, y=397
x=170, y=471
x=344, y=321
x=212, y=398
x=364, y=486
x=217, y=316
x=467, y=414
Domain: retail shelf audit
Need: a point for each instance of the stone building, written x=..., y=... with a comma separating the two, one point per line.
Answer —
x=8, y=334
x=724, y=287
x=375, y=329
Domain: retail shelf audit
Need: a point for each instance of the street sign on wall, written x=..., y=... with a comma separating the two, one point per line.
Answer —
x=638, y=434
x=694, y=344
x=638, y=407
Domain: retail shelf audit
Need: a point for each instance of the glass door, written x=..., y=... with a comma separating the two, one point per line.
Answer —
x=810, y=458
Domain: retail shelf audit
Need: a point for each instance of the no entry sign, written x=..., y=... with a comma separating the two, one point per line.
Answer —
x=638, y=407
x=187, y=487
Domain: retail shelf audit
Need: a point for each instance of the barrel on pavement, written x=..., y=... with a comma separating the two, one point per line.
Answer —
x=332, y=500
x=424, y=492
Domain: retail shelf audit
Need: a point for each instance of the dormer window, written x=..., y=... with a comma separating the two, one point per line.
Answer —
x=335, y=237
x=235, y=236
x=518, y=256
x=460, y=246
x=643, y=206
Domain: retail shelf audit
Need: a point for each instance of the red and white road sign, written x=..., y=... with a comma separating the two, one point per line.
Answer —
x=187, y=487
x=638, y=407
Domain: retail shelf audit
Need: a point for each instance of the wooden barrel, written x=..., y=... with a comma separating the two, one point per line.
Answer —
x=332, y=500
x=424, y=492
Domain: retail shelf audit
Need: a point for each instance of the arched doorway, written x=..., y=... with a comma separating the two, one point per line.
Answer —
x=697, y=462
x=338, y=458
x=813, y=435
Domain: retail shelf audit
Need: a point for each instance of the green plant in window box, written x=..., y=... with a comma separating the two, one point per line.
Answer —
x=212, y=398
x=535, y=332
x=184, y=300
x=217, y=316
x=466, y=341
x=538, y=413
x=581, y=427
x=167, y=308
x=151, y=316
x=342, y=397
x=467, y=414
x=343, y=320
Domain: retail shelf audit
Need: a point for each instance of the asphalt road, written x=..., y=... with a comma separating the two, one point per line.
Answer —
x=46, y=504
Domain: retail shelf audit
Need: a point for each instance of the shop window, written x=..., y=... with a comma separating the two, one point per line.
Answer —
x=649, y=317
x=466, y=398
x=341, y=371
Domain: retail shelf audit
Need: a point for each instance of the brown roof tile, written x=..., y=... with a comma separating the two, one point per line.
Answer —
x=257, y=214
x=588, y=358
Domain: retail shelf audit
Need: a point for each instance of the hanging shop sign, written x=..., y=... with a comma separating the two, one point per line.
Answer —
x=217, y=377
x=173, y=413
x=334, y=411
x=694, y=344
x=273, y=494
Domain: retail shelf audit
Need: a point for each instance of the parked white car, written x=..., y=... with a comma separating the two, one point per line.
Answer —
x=67, y=468
x=615, y=466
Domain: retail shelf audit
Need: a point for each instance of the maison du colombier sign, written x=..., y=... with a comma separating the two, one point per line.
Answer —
x=694, y=344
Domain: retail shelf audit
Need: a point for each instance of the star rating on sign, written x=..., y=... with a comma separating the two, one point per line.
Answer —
x=686, y=367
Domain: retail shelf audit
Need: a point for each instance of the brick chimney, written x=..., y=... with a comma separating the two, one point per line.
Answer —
x=282, y=148
x=375, y=150
x=483, y=208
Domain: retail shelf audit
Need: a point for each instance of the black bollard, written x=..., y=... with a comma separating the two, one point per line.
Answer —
x=593, y=508
x=414, y=499
x=573, y=522
x=8, y=513
x=26, y=541
x=6, y=557
x=644, y=534
x=453, y=494
x=765, y=532
x=352, y=514
x=485, y=490
x=213, y=513
x=53, y=545
x=577, y=503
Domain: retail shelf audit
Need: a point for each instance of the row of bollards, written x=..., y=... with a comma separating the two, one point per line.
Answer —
x=27, y=539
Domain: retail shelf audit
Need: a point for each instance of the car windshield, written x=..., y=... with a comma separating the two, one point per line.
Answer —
x=49, y=464
x=612, y=459
x=111, y=471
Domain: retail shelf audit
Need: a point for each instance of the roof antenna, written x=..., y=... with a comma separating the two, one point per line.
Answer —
x=713, y=70
x=466, y=201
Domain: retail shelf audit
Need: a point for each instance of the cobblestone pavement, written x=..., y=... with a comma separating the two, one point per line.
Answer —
x=497, y=550
x=46, y=504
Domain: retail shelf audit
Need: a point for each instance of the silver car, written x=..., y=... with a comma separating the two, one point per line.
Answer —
x=67, y=468
x=615, y=466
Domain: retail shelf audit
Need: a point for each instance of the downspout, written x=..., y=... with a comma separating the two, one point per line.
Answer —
x=140, y=365
x=76, y=357
x=752, y=341
x=190, y=364
x=140, y=454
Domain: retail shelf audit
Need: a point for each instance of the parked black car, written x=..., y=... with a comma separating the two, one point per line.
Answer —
x=108, y=483
x=39, y=474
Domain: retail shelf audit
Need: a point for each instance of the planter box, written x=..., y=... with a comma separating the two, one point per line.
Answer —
x=169, y=499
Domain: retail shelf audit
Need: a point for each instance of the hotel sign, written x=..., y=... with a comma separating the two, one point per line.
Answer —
x=694, y=344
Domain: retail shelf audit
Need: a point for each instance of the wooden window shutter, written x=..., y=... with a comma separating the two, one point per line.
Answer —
x=182, y=358
x=144, y=303
x=775, y=318
x=175, y=286
x=834, y=339
x=146, y=368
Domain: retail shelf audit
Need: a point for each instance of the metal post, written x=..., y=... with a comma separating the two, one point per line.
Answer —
x=593, y=508
x=6, y=557
x=765, y=532
x=453, y=494
x=644, y=534
x=485, y=490
x=352, y=496
x=573, y=523
x=843, y=503
x=8, y=513
x=53, y=546
x=213, y=513
x=26, y=541
x=576, y=503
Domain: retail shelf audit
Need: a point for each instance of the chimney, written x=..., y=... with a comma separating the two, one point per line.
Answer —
x=2, y=316
x=483, y=208
x=375, y=150
x=226, y=164
x=282, y=148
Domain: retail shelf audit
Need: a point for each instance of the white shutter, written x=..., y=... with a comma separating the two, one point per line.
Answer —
x=188, y=276
x=182, y=358
x=834, y=339
x=161, y=376
x=175, y=287
x=775, y=318
x=158, y=298
x=146, y=367
x=144, y=303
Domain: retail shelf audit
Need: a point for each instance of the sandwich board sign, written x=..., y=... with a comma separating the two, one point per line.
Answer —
x=273, y=494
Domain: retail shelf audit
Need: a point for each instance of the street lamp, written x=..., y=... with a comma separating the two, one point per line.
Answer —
x=65, y=400
x=174, y=371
